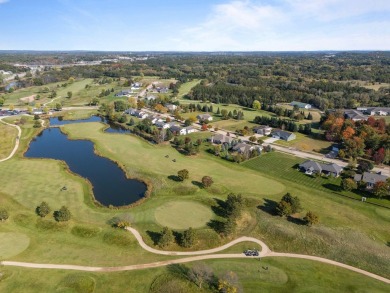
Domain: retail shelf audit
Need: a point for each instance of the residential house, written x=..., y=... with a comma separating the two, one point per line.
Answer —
x=370, y=178
x=312, y=167
x=151, y=98
x=155, y=119
x=189, y=129
x=176, y=129
x=162, y=90
x=378, y=111
x=140, y=114
x=244, y=148
x=222, y=139
x=204, y=117
x=171, y=107
x=300, y=105
x=284, y=135
x=131, y=111
x=354, y=115
x=162, y=124
x=124, y=93
x=262, y=130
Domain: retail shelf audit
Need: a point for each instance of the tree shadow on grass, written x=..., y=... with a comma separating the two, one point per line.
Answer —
x=174, y=178
x=178, y=236
x=179, y=270
x=220, y=208
x=197, y=184
x=216, y=225
x=269, y=206
x=297, y=221
x=332, y=187
x=155, y=236
x=388, y=243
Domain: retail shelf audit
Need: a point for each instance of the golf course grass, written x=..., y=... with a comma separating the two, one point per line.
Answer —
x=183, y=214
x=7, y=139
x=12, y=244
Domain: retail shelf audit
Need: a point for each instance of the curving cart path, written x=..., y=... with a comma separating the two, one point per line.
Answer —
x=196, y=256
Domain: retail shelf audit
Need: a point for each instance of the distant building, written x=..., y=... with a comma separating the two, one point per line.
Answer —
x=124, y=93
x=171, y=107
x=244, y=148
x=312, y=167
x=284, y=135
x=262, y=130
x=370, y=178
x=300, y=105
x=354, y=115
x=222, y=139
x=204, y=117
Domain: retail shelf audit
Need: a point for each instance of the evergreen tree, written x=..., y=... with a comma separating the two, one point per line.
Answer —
x=43, y=209
x=166, y=237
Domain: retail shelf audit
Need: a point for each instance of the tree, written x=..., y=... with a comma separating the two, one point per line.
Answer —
x=188, y=238
x=207, y=181
x=365, y=166
x=288, y=205
x=252, y=138
x=187, y=122
x=120, y=106
x=229, y=283
x=311, y=218
x=256, y=105
x=229, y=227
x=62, y=215
x=348, y=184
x=69, y=95
x=234, y=205
x=58, y=106
x=200, y=273
x=183, y=174
x=309, y=116
x=37, y=124
x=166, y=237
x=381, y=189
x=3, y=214
x=43, y=209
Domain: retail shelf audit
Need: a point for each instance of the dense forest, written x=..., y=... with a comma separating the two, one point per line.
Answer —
x=326, y=80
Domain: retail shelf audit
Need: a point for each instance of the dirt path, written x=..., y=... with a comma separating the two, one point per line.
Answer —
x=17, y=138
x=197, y=255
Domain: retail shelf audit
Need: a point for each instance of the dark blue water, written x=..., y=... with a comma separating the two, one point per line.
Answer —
x=110, y=185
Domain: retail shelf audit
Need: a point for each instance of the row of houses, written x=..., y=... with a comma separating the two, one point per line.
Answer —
x=233, y=143
x=362, y=113
x=370, y=178
x=159, y=122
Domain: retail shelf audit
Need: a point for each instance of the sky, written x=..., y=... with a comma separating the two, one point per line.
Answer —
x=195, y=25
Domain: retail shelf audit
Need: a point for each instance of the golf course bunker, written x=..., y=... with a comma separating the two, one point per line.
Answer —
x=183, y=214
x=12, y=244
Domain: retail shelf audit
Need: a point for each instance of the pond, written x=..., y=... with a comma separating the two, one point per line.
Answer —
x=110, y=185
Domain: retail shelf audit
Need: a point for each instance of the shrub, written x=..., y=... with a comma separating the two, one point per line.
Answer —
x=311, y=218
x=43, y=209
x=63, y=215
x=207, y=181
x=183, y=174
x=3, y=214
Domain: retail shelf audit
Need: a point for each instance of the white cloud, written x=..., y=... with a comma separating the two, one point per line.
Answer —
x=289, y=25
x=3, y=1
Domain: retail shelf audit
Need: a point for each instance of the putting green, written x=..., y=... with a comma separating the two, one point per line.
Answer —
x=12, y=244
x=183, y=214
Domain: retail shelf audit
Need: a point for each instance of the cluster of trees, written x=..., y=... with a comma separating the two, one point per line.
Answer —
x=233, y=206
x=186, y=145
x=61, y=215
x=368, y=139
x=381, y=189
x=184, y=174
x=285, y=124
x=292, y=114
x=290, y=205
x=185, y=239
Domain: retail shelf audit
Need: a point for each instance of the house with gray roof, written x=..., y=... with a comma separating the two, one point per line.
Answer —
x=124, y=93
x=204, y=117
x=222, y=139
x=354, y=115
x=262, y=130
x=370, y=178
x=300, y=105
x=284, y=135
x=311, y=167
x=244, y=148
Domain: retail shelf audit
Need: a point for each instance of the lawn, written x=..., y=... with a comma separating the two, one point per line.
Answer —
x=185, y=88
x=12, y=244
x=8, y=136
x=183, y=214
x=282, y=275
x=306, y=143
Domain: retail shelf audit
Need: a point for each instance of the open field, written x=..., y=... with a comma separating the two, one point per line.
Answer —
x=185, y=88
x=8, y=136
x=282, y=275
x=306, y=143
x=183, y=214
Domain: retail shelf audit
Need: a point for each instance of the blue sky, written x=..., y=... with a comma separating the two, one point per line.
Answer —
x=195, y=25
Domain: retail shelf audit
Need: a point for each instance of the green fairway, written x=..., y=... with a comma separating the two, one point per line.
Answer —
x=12, y=244
x=7, y=139
x=185, y=88
x=183, y=214
x=268, y=275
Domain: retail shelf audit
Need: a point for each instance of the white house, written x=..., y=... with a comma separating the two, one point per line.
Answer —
x=301, y=105
x=162, y=124
x=171, y=107
x=131, y=111
x=189, y=129
x=204, y=117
